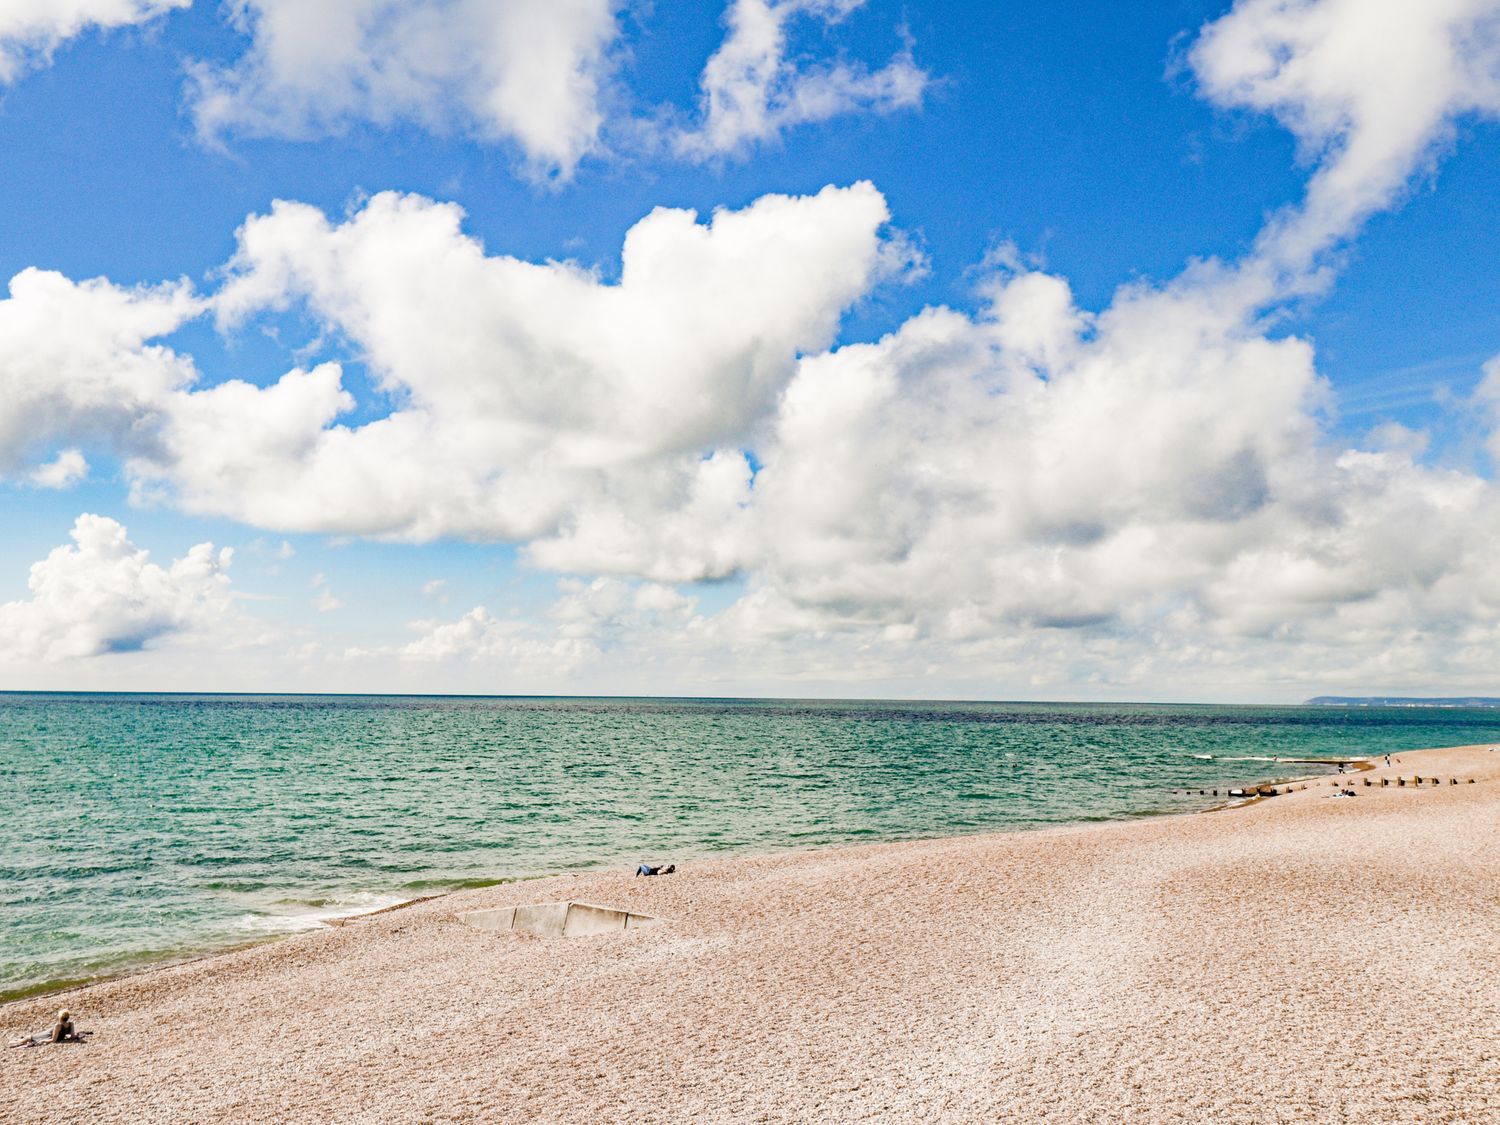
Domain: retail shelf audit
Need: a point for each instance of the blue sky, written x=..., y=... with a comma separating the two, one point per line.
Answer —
x=974, y=539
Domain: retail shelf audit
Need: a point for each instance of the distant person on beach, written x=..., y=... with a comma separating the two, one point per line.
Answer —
x=1387, y=761
x=62, y=1031
x=643, y=869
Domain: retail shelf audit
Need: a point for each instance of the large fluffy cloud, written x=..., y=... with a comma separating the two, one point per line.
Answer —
x=31, y=30
x=691, y=344
x=102, y=594
x=529, y=71
x=529, y=395
x=78, y=364
x=531, y=402
x=1157, y=470
x=752, y=90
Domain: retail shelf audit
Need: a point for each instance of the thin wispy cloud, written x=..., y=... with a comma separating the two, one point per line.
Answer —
x=753, y=88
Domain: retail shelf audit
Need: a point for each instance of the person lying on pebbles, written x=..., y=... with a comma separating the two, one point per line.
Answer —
x=62, y=1031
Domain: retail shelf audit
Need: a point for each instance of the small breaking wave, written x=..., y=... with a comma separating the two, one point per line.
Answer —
x=296, y=916
x=1234, y=758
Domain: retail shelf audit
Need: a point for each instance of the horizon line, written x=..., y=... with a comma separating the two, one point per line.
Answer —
x=1312, y=701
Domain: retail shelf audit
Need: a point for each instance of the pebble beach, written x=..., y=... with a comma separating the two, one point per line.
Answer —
x=1300, y=958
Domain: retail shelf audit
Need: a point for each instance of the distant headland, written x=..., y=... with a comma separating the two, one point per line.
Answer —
x=1403, y=701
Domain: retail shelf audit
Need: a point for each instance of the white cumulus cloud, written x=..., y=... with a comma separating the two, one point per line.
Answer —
x=527, y=71
x=77, y=364
x=603, y=421
x=102, y=595
x=63, y=471
x=1157, y=469
x=535, y=400
x=32, y=30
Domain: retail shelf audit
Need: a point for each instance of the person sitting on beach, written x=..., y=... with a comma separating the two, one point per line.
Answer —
x=643, y=869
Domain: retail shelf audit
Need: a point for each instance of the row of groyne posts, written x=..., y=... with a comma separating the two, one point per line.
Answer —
x=1273, y=791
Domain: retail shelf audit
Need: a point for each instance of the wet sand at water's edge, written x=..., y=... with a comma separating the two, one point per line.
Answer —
x=1302, y=958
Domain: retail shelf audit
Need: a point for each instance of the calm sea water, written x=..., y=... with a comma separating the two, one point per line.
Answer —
x=140, y=828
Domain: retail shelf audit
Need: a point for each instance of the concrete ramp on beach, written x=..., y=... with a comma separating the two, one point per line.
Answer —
x=557, y=919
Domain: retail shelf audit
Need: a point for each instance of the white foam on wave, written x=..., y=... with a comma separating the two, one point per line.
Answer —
x=302, y=917
x=1233, y=758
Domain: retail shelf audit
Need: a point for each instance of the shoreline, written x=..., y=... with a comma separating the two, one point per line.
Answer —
x=1084, y=971
x=1282, y=787
x=154, y=965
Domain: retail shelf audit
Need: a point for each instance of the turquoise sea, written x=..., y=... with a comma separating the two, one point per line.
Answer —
x=139, y=828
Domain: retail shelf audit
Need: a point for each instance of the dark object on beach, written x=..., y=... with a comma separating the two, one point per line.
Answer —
x=1385, y=781
x=63, y=1031
x=643, y=869
x=1368, y=783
